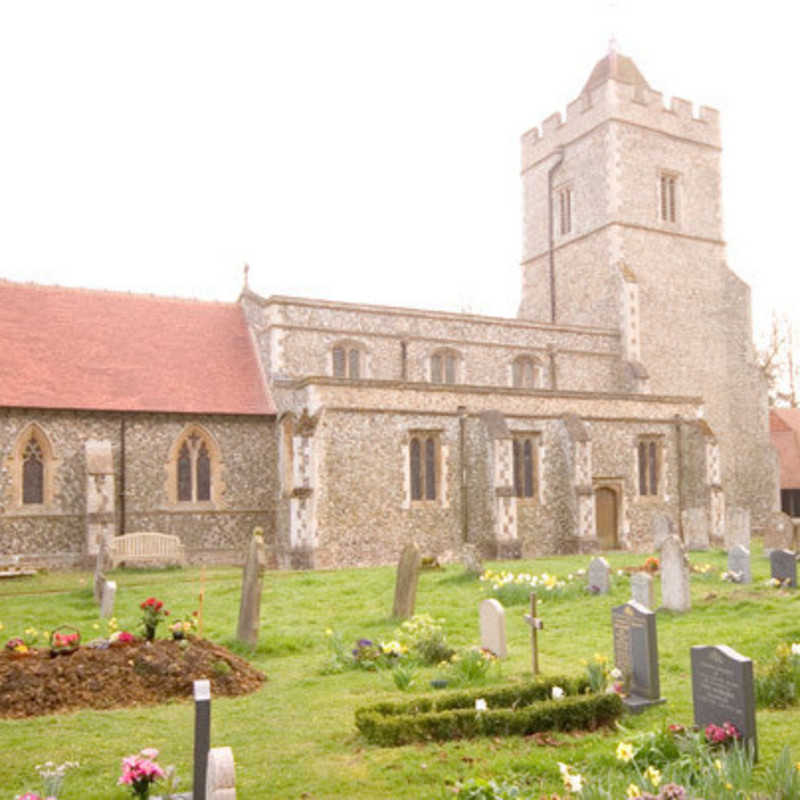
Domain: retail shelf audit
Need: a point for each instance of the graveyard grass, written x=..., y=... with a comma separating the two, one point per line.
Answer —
x=296, y=737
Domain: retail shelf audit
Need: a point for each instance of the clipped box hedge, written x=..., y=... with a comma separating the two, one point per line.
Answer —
x=513, y=710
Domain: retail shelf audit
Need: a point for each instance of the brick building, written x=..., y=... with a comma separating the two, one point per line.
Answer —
x=626, y=387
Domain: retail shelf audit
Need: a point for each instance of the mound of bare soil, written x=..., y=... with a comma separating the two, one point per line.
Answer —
x=122, y=675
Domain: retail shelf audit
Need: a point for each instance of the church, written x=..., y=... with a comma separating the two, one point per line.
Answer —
x=625, y=391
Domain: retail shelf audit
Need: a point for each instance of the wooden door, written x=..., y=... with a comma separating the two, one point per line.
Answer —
x=605, y=513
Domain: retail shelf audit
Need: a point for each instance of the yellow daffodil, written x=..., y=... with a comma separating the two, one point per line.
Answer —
x=633, y=791
x=625, y=751
x=718, y=765
x=653, y=775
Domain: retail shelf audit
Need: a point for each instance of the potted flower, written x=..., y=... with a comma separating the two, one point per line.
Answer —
x=121, y=638
x=180, y=629
x=64, y=640
x=153, y=612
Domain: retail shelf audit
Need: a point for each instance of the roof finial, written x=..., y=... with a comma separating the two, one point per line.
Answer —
x=613, y=46
x=246, y=273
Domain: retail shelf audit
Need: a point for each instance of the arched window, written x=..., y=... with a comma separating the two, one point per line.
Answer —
x=424, y=467
x=526, y=373
x=33, y=468
x=348, y=360
x=525, y=451
x=194, y=471
x=32, y=473
x=444, y=366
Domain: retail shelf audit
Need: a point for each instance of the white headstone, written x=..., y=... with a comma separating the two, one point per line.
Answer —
x=493, y=627
x=597, y=576
x=107, y=599
x=642, y=591
x=220, y=774
x=674, y=576
x=739, y=563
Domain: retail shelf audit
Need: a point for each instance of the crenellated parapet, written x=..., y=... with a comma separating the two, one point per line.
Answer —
x=634, y=103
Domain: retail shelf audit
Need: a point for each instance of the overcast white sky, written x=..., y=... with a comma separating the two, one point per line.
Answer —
x=360, y=151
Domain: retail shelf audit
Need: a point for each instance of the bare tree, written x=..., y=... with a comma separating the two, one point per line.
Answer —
x=777, y=362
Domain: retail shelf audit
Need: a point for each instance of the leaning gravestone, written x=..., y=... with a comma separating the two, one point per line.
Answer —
x=674, y=576
x=405, y=588
x=636, y=654
x=250, y=602
x=660, y=528
x=737, y=527
x=220, y=774
x=722, y=690
x=739, y=563
x=493, y=627
x=783, y=567
x=107, y=599
x=642, y=591
x=597, y=576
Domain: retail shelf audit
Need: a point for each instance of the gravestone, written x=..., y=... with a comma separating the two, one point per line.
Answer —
x=220, y=774
x=471, y=560
x=674, y=576
x=636, y=654
x=493, y=627
x=737, y=527
x=695, y=528
x=107, y=599
x=597, y=576
x=783, y=567
x=103, y=564
x=99, y=493
x=722, y=690
x=405, y=588
x=250, y=602
x=661, y=527
x=202, y=737
x=642, y=590
x=739, y=563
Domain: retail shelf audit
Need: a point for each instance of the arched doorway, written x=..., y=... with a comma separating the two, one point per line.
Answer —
x=606, y=514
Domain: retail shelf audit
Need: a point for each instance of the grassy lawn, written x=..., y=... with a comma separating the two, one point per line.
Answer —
x=296, y=738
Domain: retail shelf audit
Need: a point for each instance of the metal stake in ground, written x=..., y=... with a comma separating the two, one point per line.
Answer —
x=202, y=737
x=536, y=625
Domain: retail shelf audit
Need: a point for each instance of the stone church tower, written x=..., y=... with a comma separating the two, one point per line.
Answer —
x=623, y=228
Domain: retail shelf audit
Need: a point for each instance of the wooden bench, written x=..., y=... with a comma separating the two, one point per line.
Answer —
x=146, y=548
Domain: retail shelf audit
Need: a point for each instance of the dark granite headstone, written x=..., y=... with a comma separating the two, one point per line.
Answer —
x=783, y=566
x=636, y=654
x=722, y=690
x=202, y=737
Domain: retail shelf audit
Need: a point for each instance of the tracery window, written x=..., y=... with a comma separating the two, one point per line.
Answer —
x=32, y=472
x=194, y=467
x=32, y=467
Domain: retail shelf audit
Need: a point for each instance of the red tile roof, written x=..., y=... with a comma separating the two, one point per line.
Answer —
x=86, y=349
x=784, y=431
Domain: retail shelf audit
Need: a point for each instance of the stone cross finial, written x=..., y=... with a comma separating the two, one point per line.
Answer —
x=246, y=276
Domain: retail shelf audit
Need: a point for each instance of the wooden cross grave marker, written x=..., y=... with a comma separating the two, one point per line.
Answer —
x=536, y=625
